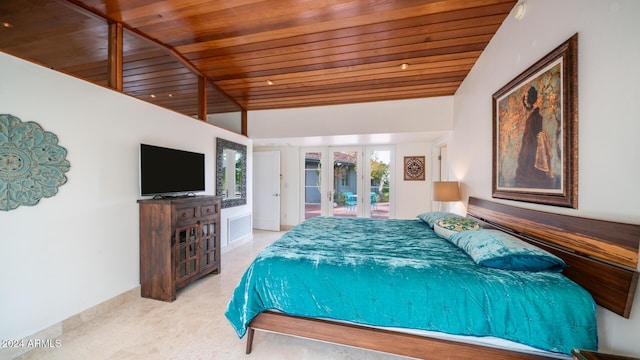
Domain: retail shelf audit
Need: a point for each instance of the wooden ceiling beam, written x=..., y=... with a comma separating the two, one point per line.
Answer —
x=115, y=56
x=137, y=32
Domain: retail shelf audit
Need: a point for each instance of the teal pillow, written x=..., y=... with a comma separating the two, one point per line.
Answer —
x=493, y=248
x=431, y=217
x=449, y=225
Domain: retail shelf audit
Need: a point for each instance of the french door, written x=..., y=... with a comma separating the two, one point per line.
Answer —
x=345, y=185
x=353, y=181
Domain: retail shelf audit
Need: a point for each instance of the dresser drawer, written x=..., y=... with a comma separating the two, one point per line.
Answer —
x=195, y=212
x=187, y=215
x=208, y=210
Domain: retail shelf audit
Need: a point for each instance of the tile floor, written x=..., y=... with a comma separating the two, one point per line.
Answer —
x=192, y=327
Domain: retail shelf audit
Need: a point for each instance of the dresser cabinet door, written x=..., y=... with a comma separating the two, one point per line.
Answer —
x=209, y=252
x=186, y=253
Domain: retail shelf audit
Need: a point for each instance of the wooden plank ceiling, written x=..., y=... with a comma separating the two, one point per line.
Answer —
x=267, y=54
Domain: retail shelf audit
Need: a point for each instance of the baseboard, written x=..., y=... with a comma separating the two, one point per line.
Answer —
x=100, y=309
x=47, y=336
x=237, y=243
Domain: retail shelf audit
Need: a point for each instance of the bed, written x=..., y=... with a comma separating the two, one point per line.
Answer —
x=350, y=282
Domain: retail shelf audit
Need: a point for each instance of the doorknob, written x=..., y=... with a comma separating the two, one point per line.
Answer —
x=276, y=194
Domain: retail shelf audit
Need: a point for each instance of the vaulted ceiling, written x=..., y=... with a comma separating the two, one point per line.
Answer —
x=264, y=54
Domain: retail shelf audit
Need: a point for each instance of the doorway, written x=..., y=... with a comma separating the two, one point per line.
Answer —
x=266, y=194
x=354, y=181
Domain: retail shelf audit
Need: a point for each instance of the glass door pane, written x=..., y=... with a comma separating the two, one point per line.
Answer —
x=380, y=183
x=354, y=181
x=312, y=184
x=347, y=194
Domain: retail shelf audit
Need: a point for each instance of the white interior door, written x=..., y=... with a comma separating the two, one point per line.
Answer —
x=266, y=194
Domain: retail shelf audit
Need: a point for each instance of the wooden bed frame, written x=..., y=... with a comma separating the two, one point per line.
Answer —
x=602, y=257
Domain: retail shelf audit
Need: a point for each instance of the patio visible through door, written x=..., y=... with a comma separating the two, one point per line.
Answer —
x=380, y=182
x=359, y=182
x=313, y=186
x=346, y=182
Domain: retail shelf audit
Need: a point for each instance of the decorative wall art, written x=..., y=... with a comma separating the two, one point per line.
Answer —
x=414, y=167
x=535, y=132
x=32, y=164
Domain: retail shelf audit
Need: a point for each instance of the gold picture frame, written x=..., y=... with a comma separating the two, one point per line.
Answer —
x=535, y=131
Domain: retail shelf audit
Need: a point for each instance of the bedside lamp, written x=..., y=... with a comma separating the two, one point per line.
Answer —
x=445, y=191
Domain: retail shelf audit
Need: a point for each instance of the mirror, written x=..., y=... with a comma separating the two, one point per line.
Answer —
x=231, y=173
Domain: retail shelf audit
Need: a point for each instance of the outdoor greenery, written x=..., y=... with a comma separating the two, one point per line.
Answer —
x=380, y=176
x=379, y=181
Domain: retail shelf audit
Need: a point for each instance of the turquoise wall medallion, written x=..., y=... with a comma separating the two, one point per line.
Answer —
x=32, y=164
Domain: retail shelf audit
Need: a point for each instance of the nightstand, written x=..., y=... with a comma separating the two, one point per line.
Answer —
x=592, y=355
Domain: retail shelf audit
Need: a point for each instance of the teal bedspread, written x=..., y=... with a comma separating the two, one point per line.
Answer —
x=399, y=273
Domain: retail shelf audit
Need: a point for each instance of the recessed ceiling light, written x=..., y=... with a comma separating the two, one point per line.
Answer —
x=404, y=66
x=269, y=82
x=153, y=96
x=6, y=25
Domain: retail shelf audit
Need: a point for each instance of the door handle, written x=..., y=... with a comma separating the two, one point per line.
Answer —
x=276, y=194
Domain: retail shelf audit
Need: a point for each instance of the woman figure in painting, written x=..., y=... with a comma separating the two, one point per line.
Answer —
x=534, y=160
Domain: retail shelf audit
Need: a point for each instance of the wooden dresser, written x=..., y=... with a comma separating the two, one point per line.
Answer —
x=179, y=243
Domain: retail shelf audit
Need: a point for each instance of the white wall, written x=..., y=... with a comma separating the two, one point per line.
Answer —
x=231, y=121
x=79, y=248
x=433, y=114
x=410, y=125
x=609, y=109
x=412, y=197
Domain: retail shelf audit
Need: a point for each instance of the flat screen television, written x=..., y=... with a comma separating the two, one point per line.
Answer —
x=170, y=172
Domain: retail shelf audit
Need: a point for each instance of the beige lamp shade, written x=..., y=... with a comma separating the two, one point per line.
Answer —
x=446, y=191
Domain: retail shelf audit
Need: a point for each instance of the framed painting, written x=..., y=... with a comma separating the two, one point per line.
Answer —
x=535, y=132
x=414, y=167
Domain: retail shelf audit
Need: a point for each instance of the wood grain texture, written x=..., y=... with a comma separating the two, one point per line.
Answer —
x=393, y=342
x=156, y=253
x=179, y=243
x=602, y=255
x=592, y=355
x=314, y=52
x=607, y=240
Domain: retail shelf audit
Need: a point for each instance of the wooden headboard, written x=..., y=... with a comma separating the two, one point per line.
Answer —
x=602, y=255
